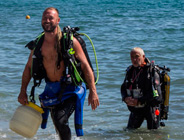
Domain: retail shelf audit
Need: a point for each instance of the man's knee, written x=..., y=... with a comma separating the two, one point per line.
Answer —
x=60, y=118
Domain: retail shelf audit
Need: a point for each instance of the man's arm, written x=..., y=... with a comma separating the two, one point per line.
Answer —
x=79, y=54
x=128, y=100
x=26, y=77
x=123, y=91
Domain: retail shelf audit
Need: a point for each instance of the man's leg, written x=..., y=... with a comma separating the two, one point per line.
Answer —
x=135, y=120
x=60, y=115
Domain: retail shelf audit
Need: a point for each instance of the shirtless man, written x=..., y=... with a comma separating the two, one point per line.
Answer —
x=50, y=22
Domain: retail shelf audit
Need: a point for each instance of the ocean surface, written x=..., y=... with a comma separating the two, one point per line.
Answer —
x=115, y=27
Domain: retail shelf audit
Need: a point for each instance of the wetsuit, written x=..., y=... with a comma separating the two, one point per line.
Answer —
x=138, y=84
x=60, y=115
x=61, y=108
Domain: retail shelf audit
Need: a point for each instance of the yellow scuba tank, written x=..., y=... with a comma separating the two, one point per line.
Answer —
x=167, y=89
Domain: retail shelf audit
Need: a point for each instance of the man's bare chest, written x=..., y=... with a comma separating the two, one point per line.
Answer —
x=49, y=53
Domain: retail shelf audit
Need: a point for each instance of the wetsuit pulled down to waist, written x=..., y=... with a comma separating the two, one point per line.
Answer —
x=50, y=98
x=51, y=95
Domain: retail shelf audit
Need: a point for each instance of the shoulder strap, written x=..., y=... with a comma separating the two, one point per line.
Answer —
x=83, y=45
x=31, y=45
x=68, y=52
x=36, y=58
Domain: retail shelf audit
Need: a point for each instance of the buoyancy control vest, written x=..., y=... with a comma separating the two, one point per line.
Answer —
x=73, y=67
x=73, y=72
x=165, y=89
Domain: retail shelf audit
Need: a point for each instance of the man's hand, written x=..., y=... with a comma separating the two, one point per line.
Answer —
x=22, y=98
x=93, y=100
x=131, y=101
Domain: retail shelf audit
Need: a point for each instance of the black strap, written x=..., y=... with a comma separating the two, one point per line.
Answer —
x=152, y=73
x=67, y=56
x=31, y=97
x=36, y=83
x=31, y=45
x=63, y=87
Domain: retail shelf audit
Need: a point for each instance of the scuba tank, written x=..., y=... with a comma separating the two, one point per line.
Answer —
x=165, y=87
x=166, y=91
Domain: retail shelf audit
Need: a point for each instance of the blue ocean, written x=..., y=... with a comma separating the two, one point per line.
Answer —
x=115, y=27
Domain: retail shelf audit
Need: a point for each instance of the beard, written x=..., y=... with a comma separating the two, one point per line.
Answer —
x=49, y=27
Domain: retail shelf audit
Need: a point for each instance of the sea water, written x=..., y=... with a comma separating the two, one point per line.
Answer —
x=115, y=26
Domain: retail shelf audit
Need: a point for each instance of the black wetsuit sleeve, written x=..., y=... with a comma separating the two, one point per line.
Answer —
x=123, y=91
x=125, y=85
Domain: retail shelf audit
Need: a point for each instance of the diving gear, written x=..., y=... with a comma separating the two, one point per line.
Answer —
x=165, y=86
x=49, y=99
x=45, y=116
x=135, y=93
x=73, y=65
x=73, y=70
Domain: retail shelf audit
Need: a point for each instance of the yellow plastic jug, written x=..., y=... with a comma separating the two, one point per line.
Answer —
x=26, y=120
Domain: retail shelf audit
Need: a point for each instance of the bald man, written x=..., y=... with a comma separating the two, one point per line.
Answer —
x=137, y=91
